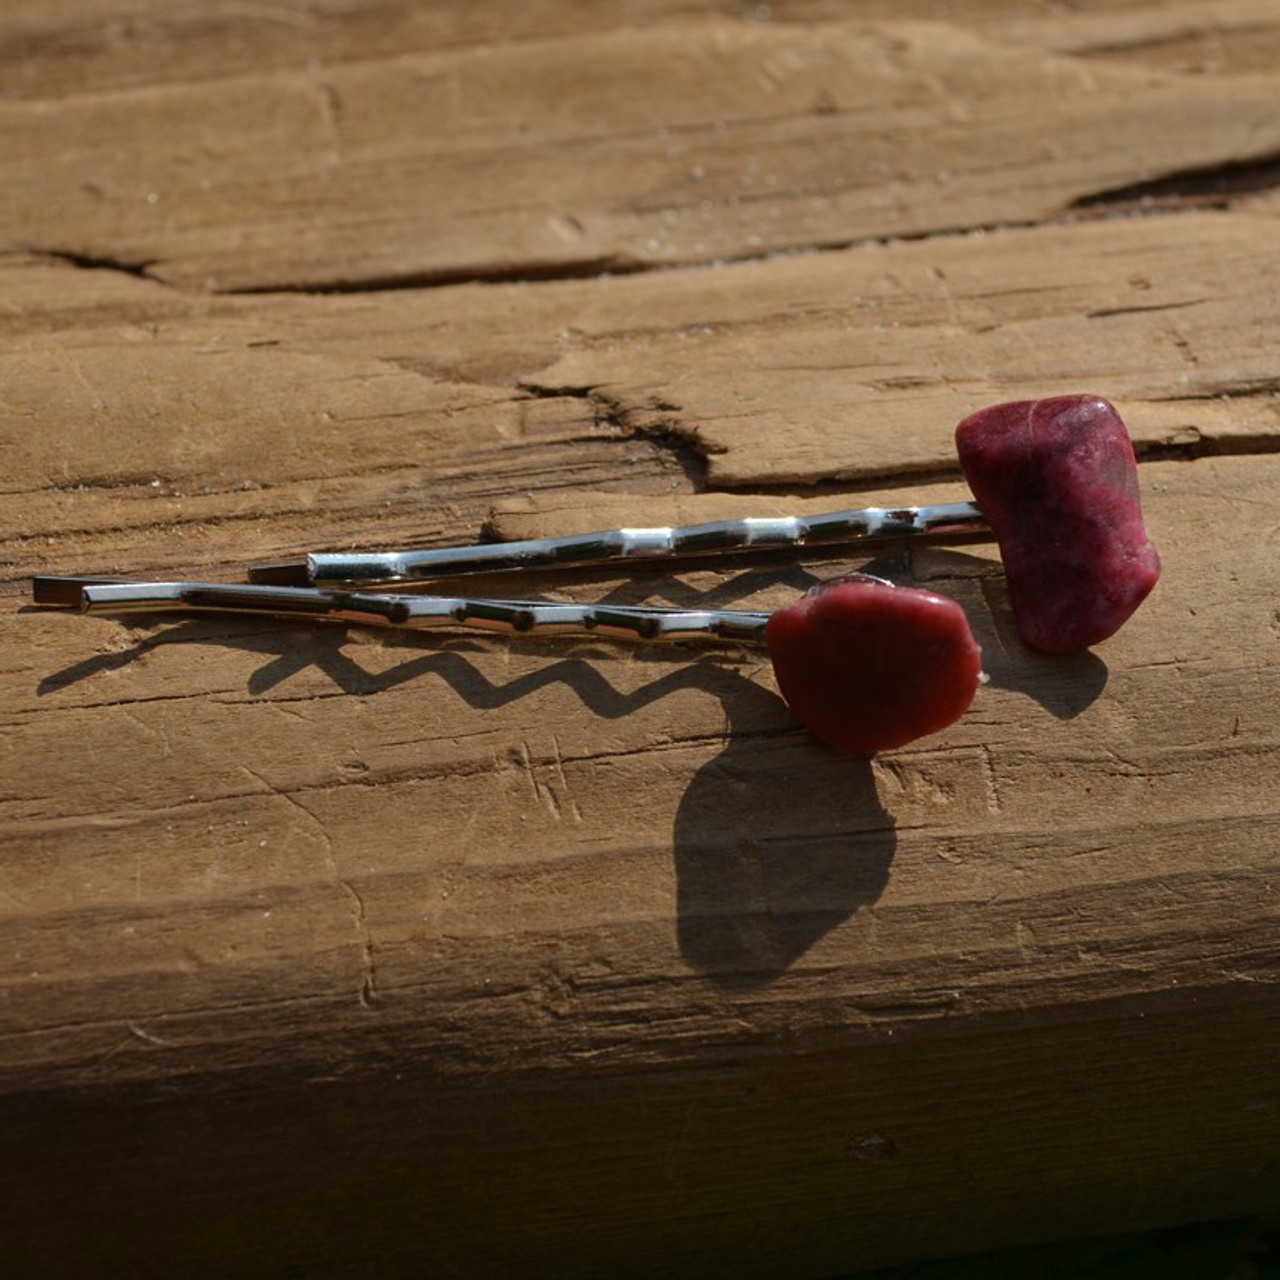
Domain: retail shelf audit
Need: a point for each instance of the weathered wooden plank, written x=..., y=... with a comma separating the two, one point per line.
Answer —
x=543, y=768
x=227, y=430
x=542, y=875
x=536, y=157
x=324, y=947
x=877, y=354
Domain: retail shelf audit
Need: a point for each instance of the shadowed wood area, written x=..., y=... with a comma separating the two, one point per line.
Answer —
x=335, y=952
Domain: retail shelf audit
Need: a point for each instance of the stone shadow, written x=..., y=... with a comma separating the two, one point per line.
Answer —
x=777, y=840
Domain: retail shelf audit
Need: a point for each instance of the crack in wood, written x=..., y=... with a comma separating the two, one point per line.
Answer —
x=658, y=423
x=530, y=271
x=1213, y=186
x=141, y=270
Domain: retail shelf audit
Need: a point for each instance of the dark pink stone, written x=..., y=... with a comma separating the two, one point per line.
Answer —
x=1057, y=482
x=868, y=666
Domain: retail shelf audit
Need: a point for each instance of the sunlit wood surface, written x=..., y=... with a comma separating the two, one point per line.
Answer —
x=333, y=952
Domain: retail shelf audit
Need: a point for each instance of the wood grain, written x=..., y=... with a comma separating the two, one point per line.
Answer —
x=326, y=950
x=771, y=138
x=57, y=48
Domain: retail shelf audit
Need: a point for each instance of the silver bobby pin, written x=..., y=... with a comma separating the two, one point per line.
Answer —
x=618, y=622
x=753, y=533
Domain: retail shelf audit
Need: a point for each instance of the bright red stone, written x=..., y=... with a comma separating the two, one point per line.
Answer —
x=1057, y=482
x=868, y=666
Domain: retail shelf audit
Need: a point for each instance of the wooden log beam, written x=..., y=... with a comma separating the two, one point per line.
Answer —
x=323, y=949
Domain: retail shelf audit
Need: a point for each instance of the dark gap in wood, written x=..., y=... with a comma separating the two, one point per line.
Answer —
x=652, y=424
x=538, y=391
x=96, y=262
x=594, y=268
x=444, y=277
x=1191, y=450
x=681, y=447
x=837, y=487
x=1212, y=186
x=1155, y=451
x=659, y=426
